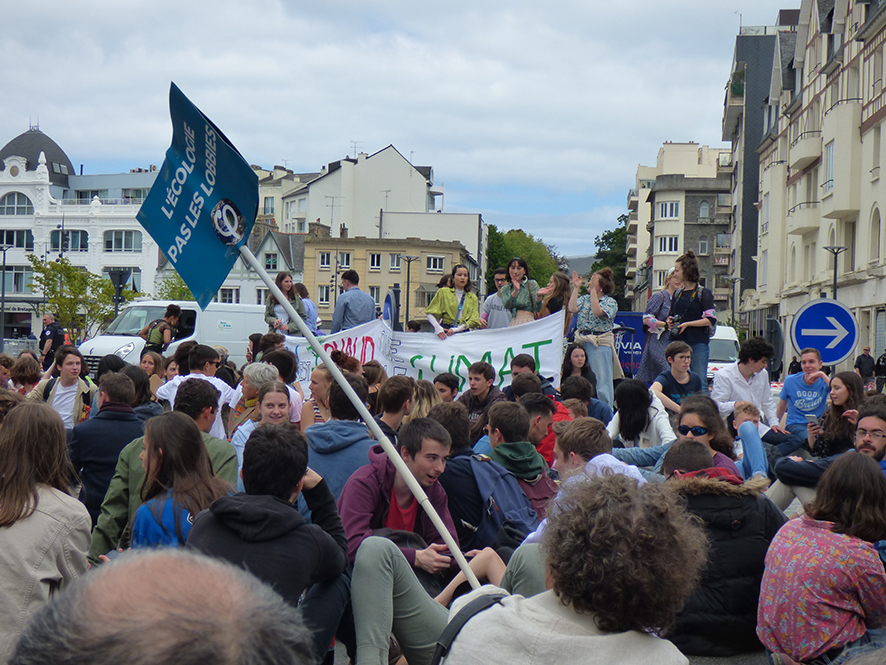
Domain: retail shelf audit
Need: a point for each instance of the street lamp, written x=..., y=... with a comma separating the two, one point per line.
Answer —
x=836, y=250
x=733, y=281
x=409, y=260
x=4, y=249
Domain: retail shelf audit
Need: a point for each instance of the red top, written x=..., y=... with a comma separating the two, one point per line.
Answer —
x=401, y=519
x=546, y=447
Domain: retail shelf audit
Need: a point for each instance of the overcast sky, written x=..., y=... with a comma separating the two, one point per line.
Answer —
x=534, y=115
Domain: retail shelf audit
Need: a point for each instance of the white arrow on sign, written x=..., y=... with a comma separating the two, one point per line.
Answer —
x=838, y=332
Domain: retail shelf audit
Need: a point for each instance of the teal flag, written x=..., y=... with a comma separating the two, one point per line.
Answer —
x=203, y=203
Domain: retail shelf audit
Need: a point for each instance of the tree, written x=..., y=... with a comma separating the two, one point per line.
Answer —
x=174, y=288
x=79, y=299
x=612, y=252
x=541, y=258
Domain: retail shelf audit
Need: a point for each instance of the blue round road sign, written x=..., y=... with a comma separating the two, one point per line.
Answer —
x=826, y=325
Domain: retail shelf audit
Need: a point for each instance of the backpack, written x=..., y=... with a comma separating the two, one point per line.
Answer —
x=503, y=499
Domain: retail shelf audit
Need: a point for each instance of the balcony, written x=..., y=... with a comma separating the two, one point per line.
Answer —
x=840, y=198
x=805, y=149
x=632, y=224
x=733, y=107
x=632, y=245
x=724, y=163
x=724, y=203
x=633, y=200
x=803, y=218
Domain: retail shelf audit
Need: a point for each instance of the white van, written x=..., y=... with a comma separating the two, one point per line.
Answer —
x=222, y=324
x=724, y=350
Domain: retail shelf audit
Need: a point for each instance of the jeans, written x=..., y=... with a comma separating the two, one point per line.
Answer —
x=754, y=461
x=699, y=364
x=799, y=430
x=600, y=362
x=387, y=597
x=322, y=609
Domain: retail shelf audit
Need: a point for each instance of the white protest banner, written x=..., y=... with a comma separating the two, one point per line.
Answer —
x=424, y=355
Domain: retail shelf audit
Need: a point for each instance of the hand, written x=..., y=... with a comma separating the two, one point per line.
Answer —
x=595, y=280
x=813, y=429
x=796, y=458
x=312, y=479
x=682, y=327
x=670, y=323
x=484, y=323
x=516, y=284
x=545, y=290
x=576, y=280
x=442, y=334
x=851, y=415
x=431, y=560
x=779, y=429
x=449, y=332
x=278, y=324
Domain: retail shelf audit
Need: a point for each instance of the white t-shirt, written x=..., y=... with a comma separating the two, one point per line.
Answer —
x=169, y=389
x=63, y=403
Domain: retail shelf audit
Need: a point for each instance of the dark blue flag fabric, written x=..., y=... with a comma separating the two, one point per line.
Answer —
x=203, y=203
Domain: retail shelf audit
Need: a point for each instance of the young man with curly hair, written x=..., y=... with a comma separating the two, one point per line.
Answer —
x=603, y=605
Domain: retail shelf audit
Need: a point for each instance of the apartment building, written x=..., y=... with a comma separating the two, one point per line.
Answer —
x=820, y=185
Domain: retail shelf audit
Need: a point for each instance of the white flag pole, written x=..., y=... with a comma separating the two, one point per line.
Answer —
x=389, y=449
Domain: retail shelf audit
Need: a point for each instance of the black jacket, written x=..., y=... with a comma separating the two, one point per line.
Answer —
x=720, y=617
x=271, y=539
x=94, y=448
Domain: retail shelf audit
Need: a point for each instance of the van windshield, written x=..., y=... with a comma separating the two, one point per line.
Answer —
x=132, y=319
x=723, y=351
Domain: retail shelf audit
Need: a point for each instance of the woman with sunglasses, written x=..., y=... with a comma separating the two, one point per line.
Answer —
x=699, y=420
x=641, y=419
x=454, y=309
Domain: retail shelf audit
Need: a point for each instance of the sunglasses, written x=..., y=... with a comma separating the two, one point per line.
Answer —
x=696, y=431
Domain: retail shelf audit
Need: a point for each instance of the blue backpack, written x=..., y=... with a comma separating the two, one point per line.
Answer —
x=503, y=500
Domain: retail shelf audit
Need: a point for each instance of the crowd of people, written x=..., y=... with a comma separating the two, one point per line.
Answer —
x=187, y=509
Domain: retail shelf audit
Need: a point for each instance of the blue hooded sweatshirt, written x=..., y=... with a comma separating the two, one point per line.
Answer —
x=336, y=449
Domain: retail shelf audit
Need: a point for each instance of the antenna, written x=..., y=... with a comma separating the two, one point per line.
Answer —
x=411, y=153
x=286, y=162
x=354, y=146
x=386, y=192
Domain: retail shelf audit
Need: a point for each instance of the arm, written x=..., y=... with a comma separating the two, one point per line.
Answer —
x=299, y=308
x=508, y=296
x=143, y=333
x=70, y=559
x=167, y=336
x=356, y=506
x=270, y=316
x=572, y=305
x=595, y=298
x=781, y=408
x=721, y=391
x=806, y=473
x=339, y=314
x=438, y=329
x=307, y=416
x=470, y=315
x=321, y=503
x=667, y=401
x=767, y=401
x=661, y=423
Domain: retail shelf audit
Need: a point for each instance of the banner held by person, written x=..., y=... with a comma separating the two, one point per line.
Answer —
x=205, y=192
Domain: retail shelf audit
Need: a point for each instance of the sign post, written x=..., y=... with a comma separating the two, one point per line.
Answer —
x=828, y=326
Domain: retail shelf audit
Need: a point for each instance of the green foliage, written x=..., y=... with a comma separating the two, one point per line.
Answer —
x=612, y=252
x=81, y=301
x=541, y=258
x=174, y=288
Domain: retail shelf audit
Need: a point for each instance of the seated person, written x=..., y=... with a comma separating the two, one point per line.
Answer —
x=824, y=588
x=576, y=407
x=395, y=401
x=259, y=530
x=747, y=380
x=523, y=363
x=596, y=610
x=804, y=393
x=526, y=384
x=481, y=392
x=677, y=382
x=578, y=387
x=720, y=617
x=640, y=420
x=508, y=436
x=447, y=385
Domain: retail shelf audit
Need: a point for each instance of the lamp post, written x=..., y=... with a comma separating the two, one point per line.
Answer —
x=733, y=281
x=836, y=250
x=4, y=249
x=409, y=260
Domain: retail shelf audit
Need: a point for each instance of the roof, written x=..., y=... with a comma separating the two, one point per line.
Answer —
x=787, y=44
x=292, y=247
x=30, y=144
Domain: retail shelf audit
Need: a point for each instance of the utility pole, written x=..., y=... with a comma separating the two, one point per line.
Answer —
x=836, y=250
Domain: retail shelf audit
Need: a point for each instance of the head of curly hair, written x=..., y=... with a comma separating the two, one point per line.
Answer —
x=628, y=555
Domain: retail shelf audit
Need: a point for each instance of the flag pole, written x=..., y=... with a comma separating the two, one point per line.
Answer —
x=389, y=449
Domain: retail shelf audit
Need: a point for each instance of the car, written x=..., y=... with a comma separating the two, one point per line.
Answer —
x=723, y=350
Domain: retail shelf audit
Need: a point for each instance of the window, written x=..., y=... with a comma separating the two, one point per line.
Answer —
x=270, y=260
x=302, y=203
x=135, y=195
x=16, y=203
x=659, y=278
x=86, y=195
x=704, y=210
x=344, y=260
x=323, y=294
x=123, y=241
x=723, y=241
x=261, y=296
x=229, y=295
x=762, y=273
x=423, y=298
x=325, y=260
x=828, y=184
x=268, y=206
x=77, y=241
x=18, y=279
x=395, y=262
x=375, y=261
x=669, y=210
x=702, y=246
x=301, y=226
x=764, y=220
x=375, y=292
x=668, y=244
x=435, y=263
x=135, y=277
x=22, y=239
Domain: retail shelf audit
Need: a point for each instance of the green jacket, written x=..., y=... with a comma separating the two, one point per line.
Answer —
x=122, y=498
x=526, y=299
x=271, y=316
x=445, y=307
x=520, y=458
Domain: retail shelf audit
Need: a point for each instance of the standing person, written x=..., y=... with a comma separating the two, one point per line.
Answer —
x=375, y=376
x=152, y=363
x=179, y=482
x=692, y=313
x=144, y=404
x=454, y=309
x=25, y=374
x=158, y=334
x=275, y=315
x=309, y=305
x=655, y=322
x=596, y=318
x=353, y=307
x=864, y=366
x=824, y=589
x=44, y=532
x=521, y=295
x=804, y=394
x=51, y=340
x=494, y=314
x=68, y=394
x=880, y=371
x=554, y=297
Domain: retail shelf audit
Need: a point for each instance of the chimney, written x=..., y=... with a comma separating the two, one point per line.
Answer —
x=343, y=231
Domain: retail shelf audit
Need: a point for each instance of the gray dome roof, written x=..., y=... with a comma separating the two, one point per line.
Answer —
x=30, y=144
